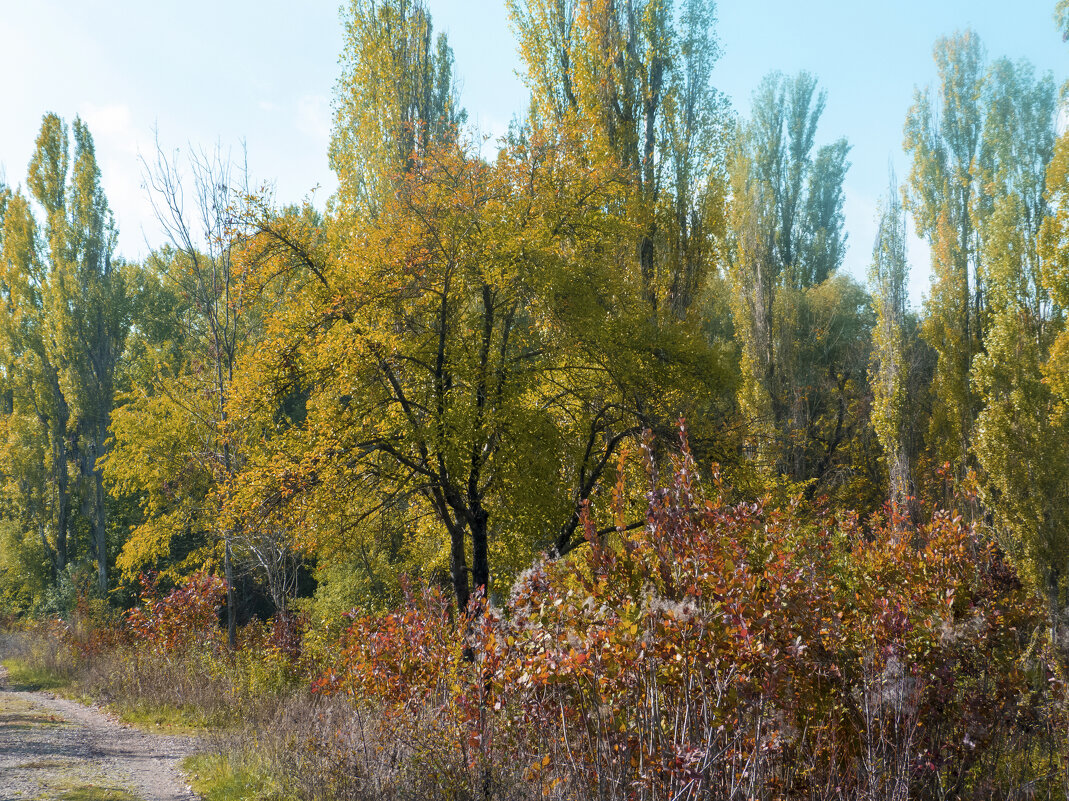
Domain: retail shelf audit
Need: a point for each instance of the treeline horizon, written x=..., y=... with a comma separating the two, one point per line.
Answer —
x=442, y=372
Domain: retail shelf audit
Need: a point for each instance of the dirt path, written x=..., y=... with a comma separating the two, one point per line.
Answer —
x=51, y=748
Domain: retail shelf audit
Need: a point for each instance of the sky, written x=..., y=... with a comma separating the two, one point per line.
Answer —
x=255, y=77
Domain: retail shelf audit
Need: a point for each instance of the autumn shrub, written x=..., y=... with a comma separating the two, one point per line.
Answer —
x=157, y=655
x=93, y=627
x=270, y=659
x=719, y=651
x=58, y=650
x=186, y=617
x=739, y=652
x=418, y=697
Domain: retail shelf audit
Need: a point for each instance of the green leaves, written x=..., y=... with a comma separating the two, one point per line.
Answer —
x=65, y=319
x=801, y=329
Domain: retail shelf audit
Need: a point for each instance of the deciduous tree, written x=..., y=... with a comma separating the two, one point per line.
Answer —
x=801, y=341
x=890, y=369
x=632, y=82
x=65, y=322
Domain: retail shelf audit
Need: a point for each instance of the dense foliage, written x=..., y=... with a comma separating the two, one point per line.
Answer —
x=432, y=431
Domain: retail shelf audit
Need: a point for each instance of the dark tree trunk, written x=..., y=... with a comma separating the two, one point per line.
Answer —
x=480, y=564
x=100, y=532
x=458, y=565
x=231, y=598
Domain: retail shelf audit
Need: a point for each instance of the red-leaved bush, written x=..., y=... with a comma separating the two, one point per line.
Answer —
x=185, y=616
x=720, y=651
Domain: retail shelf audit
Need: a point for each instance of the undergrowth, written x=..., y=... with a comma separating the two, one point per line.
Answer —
x=721, y=651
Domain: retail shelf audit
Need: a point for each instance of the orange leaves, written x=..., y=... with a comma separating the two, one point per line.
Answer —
x=400, y=657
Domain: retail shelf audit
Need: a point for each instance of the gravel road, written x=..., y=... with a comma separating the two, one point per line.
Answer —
x=52, y=748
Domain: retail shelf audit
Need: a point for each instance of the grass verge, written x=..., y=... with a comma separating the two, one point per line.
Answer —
x=31, y=678
x=166, y=718
x=219, y=777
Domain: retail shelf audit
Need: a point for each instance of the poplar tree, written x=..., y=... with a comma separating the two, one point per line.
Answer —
x=90, y=318
x=65, y=324
x=37, y=413
x=631, y=82
x=801, y=335
x=803, y=191
x=888, y=276
x=396, y=98
x=1021, y=436
x=943, y=136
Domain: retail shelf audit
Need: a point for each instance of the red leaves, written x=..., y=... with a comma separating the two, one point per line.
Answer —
x=186, y=615
x=715, y=650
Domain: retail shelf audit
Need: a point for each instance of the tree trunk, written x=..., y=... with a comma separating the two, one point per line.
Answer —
x=100, y=532
x=458, y=566
x=63, y=512
x=100, y=508
x=480, y=563
x=231, y=600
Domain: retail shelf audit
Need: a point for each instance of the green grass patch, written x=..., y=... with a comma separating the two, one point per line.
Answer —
x=87, y=793
x=31, y=678
x=185, y=719
x=219, y=777
x=78, y=790
x=44, y=764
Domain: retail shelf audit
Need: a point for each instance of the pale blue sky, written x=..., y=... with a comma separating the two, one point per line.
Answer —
x=262, y=72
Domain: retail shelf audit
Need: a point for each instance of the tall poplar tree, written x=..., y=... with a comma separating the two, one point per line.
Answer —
x=943, y=136
x=65, y=324
x=890, y=369
x=798, y=331
x=91, y=318
x=1021, y=436
x=630, y=82
x=395, y=100
x=37, y=405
